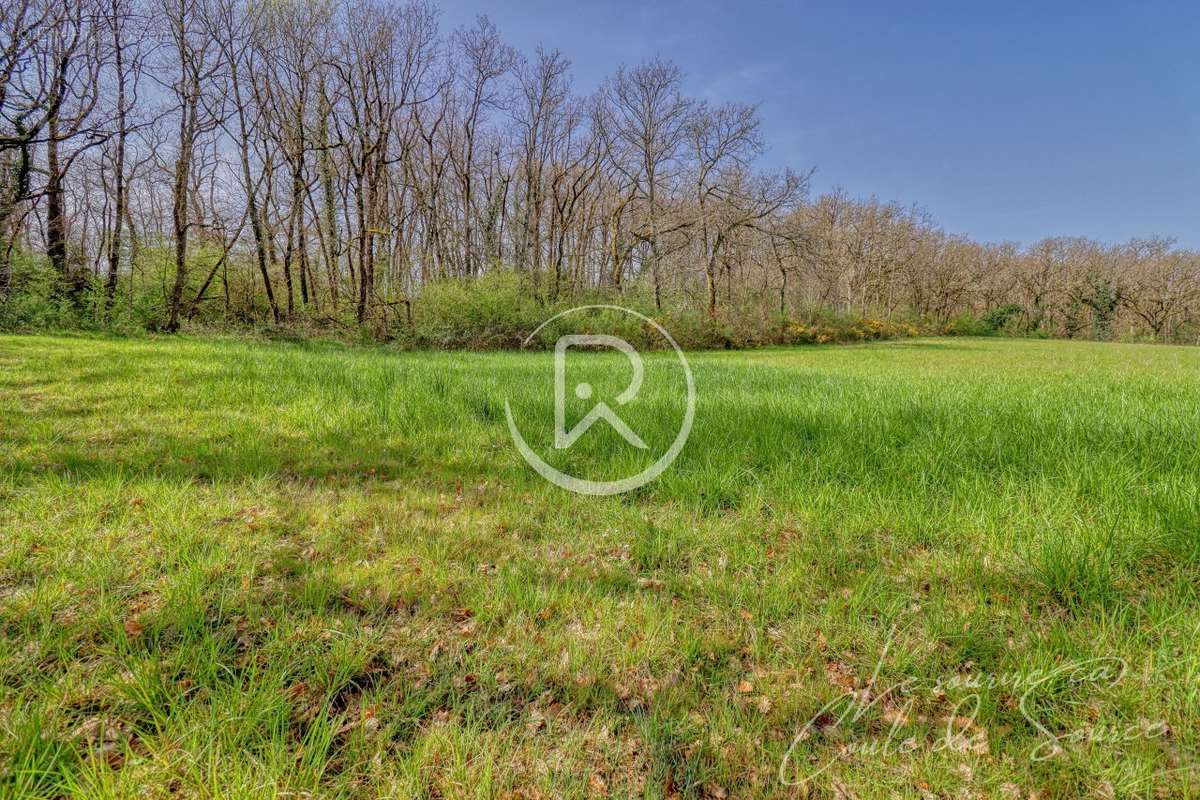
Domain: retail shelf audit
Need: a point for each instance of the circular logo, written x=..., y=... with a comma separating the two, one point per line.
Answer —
x=564, y=439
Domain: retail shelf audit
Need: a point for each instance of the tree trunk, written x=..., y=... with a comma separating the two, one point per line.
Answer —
x=114, y=248
x=256, y=224
x=179, y=211
x=364, y=247
x=331, y=248
x=56, y=223
x=179, y=221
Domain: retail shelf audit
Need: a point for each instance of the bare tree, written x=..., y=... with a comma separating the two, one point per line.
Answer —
x=197, y=114
x=644, y=126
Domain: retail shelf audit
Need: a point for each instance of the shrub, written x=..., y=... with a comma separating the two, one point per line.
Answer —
x=34, y=299
x=696, y=330
x=823, y=326
x=999, y=319
x=1002, y=320
x=496, y=310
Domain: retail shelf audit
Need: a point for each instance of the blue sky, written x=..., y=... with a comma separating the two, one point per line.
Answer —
x=1006, y=120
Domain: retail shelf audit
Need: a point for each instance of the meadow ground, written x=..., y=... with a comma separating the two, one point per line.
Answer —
x=951, y=568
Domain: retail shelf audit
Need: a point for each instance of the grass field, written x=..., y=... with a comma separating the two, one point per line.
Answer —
x=948, y=568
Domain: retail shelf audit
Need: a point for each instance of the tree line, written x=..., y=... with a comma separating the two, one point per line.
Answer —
x=306, y=161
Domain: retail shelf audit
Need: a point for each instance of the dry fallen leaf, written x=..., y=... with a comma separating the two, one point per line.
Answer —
x=598, y=785
x=840, y=674
x=841, y=791
x=894, y=716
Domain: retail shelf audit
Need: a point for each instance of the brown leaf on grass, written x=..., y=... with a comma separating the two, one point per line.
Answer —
x=841, y=791
x=143, y=602
x=535, y=723
x=969, y=737
x=669, y=786
x=465, y=683
x=893, y=715
x=745, y=687
x=524, y=793
x=367, y=721
x=840, y=674
x=105, y=738
x=133, y=628
x=95, y=729
x=305, y=701
x=296, y=690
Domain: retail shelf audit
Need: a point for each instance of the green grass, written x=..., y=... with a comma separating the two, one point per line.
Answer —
x=241, y=570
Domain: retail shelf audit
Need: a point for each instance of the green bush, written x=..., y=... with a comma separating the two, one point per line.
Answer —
x=825, y=326
x=501, y=310
x=696, y=330
x=1001, y=319
x=38, y=301
x=496, y=310
x=34, y=300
